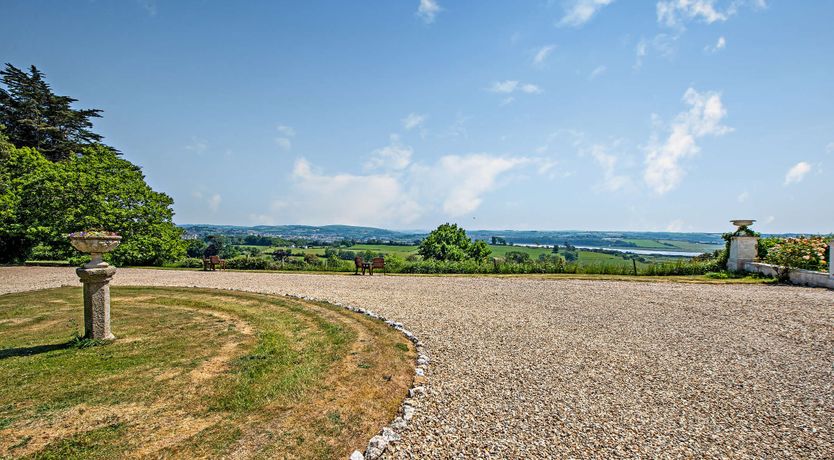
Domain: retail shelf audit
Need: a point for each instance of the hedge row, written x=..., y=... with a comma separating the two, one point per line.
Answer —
x=399, y=265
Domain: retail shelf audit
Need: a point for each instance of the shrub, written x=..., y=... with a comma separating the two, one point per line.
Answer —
x=808, y=253
x=517, y=257
x=347, y=255
x=250, y=263
x=681, y=267
x=79, y=260
x=45, y=252
x=188, y=262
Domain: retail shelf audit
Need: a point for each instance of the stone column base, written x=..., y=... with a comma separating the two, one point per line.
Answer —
x=743, y=249
x=97, y=301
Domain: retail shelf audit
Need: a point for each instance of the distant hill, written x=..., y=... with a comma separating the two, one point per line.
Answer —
x=612, y=239
x=319, y=233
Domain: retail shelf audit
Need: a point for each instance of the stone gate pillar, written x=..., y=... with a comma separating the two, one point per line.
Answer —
x=744, y=247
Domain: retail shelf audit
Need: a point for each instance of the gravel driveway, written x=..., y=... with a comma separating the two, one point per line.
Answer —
x=567, y=368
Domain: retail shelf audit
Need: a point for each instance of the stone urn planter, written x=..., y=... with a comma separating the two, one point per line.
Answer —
x=95, y=243
x=96, y=276
x=742, y=222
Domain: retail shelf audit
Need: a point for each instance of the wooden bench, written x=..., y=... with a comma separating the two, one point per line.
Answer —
x=212, y=262
x=377, y=262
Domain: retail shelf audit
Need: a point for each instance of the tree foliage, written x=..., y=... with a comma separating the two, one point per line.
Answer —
x=517, y=257
x=44, y=200
x=479, y=250
x=450, y=242
x=33, y=116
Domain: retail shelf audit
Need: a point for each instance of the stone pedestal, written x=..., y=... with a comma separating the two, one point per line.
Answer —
x=743, y=249
x=97, y=301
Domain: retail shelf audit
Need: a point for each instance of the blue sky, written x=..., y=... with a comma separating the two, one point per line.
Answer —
x=578, y=114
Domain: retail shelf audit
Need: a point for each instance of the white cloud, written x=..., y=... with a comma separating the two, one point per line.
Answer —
x=427, y=10
x=579, y=12
x=546, y=166
x=743, y=196
x=511, y=86
x=452, y=186
x=458, y=128
x=469, y=177
x=413, y=120
x=394, y=156
x=542, y=54
x=597, y=72
x=214, y=202
x=829, y=148
x=285, y=141
x=285, y=130
x=797, y=173
x=375, y=199
x=530, y=88
x=674, y=13
x=507, y=86
x=719, y=45
x=675, y=226
x=149, y=6
x=661, y=44
x=641, y=50
x=663, y=170
x=197, y=145
x=612, y=182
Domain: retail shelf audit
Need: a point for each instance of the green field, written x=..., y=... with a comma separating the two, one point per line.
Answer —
x=672, y=245
x=586, y=257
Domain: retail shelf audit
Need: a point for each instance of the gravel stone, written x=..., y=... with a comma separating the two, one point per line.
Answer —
x=390, y=435
x=376, y=446
x=408, y=413
x=535, y=368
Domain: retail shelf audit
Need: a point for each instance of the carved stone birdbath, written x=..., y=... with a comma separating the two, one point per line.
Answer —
x=96, y=276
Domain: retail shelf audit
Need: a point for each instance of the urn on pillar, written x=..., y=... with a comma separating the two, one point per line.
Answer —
x=96, y=276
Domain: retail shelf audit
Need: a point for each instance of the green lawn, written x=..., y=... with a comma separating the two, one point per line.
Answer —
x=194, y=373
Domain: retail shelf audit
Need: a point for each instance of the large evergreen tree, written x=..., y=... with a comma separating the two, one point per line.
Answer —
x=31, y=115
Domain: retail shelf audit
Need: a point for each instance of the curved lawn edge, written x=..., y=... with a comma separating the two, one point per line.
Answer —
x=387, y=435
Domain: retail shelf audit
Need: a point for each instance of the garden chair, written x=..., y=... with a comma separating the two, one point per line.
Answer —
x=360, y=263
x=213, y=262
x=377, y=262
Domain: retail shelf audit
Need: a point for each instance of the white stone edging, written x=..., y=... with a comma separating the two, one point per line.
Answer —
x=378, y=444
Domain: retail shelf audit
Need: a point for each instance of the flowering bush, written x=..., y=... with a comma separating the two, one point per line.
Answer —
x=808, y=253
x=92, y=234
